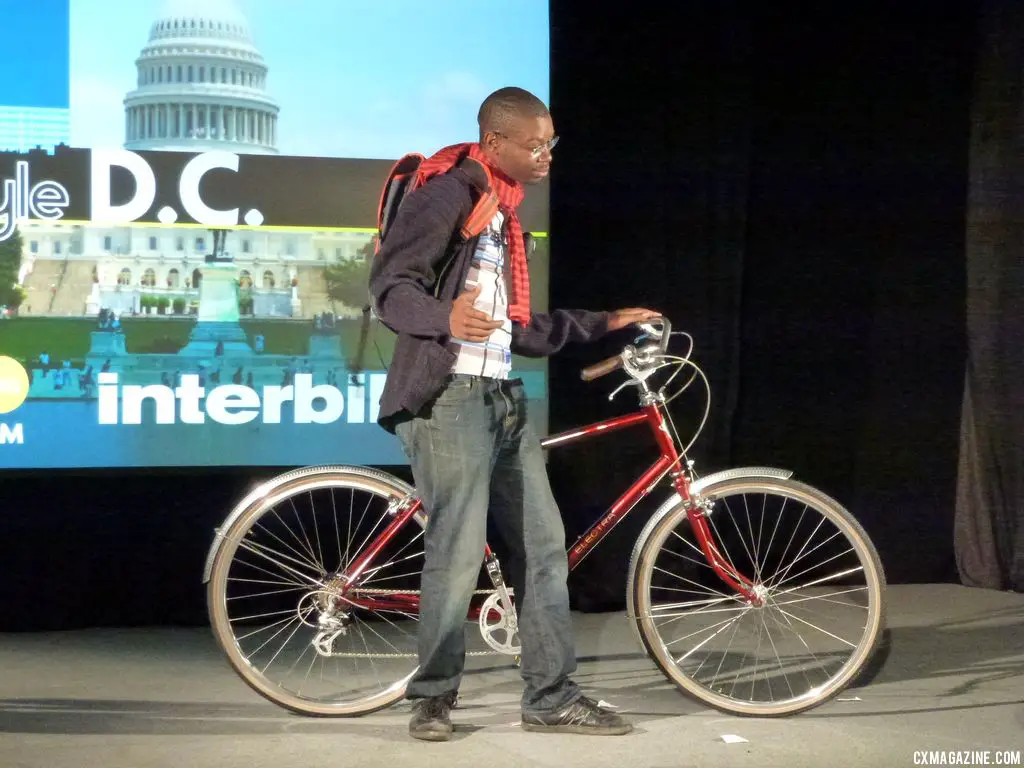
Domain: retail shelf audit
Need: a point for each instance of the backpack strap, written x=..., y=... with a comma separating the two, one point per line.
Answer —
x=487, y=199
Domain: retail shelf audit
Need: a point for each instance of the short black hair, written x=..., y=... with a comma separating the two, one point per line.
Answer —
x=505, y=104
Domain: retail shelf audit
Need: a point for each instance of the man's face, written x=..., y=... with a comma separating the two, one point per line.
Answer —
x=523, y=149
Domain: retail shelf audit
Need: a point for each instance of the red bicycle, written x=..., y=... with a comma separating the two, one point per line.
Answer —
x=757, y=594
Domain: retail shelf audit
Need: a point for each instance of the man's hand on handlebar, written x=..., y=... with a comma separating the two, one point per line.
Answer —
x=624, y=317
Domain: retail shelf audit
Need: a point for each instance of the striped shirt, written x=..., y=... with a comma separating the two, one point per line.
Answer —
x=492, y=358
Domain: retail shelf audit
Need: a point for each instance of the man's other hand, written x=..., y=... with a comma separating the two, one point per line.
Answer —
x=467, y=323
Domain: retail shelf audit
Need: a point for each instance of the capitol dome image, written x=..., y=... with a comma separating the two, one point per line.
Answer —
x=202, y=84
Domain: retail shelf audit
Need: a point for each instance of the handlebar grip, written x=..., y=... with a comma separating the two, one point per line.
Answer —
x=603, y=368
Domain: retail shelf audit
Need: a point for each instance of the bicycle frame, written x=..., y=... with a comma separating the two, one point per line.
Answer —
x=668, y=462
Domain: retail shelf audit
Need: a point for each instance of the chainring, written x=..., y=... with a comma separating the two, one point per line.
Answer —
x=498, y=627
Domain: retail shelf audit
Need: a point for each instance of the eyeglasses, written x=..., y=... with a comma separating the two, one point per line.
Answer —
x=535, y=152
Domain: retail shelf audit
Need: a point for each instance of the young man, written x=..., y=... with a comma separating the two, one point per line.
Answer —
x=461, y=309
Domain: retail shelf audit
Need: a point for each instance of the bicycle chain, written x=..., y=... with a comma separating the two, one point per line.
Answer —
x=411, y=591
x=403, y=655
x=406, y=655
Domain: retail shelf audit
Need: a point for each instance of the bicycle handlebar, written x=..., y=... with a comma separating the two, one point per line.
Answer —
x=603, y=368
x=658, y=328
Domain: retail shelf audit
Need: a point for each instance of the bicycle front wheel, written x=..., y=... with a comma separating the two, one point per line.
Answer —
x=822, y=588
x=279, y=600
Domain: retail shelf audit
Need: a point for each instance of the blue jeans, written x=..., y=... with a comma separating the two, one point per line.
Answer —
x=473, y=454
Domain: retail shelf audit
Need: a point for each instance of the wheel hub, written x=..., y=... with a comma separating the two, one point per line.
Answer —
x=329, y=597
x=761, y=592
x=319, y=609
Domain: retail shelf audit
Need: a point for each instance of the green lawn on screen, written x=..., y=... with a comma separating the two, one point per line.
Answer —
x=24, y=338
x=68, y=338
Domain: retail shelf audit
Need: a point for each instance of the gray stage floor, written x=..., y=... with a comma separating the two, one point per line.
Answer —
x=950, y=680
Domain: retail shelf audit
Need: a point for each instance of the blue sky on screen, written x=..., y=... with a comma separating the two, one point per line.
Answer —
x=34, y=54
x=353, y=78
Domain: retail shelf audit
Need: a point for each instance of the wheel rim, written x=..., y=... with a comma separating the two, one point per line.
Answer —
x=281, y=609
x=821, y=586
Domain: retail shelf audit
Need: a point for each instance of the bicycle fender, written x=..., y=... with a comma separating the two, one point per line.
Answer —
x=673, y=501
x=270, y=486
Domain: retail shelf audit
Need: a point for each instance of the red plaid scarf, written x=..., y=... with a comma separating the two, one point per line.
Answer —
x=510, y=194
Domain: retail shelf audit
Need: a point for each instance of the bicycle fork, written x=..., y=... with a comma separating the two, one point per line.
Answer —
x=698, y=513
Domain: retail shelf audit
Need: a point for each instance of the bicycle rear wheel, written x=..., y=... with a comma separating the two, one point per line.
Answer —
x=823, y=591
x=275, y=586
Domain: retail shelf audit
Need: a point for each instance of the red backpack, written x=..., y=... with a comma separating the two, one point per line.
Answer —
x=402, y=180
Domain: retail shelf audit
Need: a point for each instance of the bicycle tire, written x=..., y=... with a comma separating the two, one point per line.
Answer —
x=640, y=589
x=242, y=521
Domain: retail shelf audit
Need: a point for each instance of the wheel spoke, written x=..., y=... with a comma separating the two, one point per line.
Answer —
x=279, y=562
x=825, y=596
x=823, y=631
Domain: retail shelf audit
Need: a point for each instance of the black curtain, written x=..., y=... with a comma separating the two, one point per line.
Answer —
x=990, y=493
x=649, y=204
x=789, y=186
x=854, y=304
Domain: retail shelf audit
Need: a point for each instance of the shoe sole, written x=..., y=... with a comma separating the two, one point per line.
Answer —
x=432, y=735
x=620, y=730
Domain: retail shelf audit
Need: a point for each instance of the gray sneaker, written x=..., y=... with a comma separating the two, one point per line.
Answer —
x=431, y=719
x=582, y=716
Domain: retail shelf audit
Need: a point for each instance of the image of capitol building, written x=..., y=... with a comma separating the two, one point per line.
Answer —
x=202, y=84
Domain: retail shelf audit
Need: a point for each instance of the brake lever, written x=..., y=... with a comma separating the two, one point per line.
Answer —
x=627, y=360
x=619, y=388
x=638, y=374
